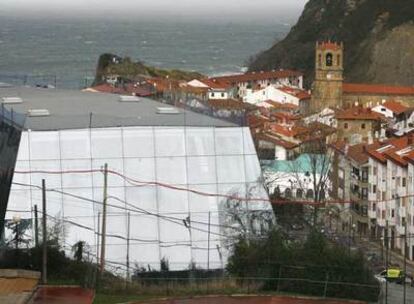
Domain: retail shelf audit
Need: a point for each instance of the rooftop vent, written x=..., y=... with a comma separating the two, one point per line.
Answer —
x=167, y=110
x=11, y=100
x=38, y=112
x=128, y=98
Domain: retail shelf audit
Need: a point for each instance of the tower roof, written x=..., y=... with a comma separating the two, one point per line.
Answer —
x=329, y=45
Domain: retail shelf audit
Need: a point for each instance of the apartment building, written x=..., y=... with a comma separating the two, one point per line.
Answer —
x=390, y=181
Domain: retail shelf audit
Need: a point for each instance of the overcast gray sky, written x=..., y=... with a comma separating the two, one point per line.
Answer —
x=246, y=8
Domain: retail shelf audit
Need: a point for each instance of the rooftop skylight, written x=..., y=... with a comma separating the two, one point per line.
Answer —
x=11, y=100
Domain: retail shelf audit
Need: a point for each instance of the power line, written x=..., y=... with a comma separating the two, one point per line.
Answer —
x=280, y=201
x=174, y=220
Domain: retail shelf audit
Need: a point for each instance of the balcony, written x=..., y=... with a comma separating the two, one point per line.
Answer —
x=372, y=214
x=402, y=212
x=401, y=229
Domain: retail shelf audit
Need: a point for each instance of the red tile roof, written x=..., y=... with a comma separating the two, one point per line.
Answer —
x=395, y=106
x=328, y=45
x=376, y=89
x=271, y=137
x=217, y=84
x=279, y=105
x=285, y=116
x=358, y=152
x=257, y=121
x=358, y=113
x=391, y=150
x=162, y=84
x=298, y=93
x=229, y=104
x=254, y=76
x=287, y=131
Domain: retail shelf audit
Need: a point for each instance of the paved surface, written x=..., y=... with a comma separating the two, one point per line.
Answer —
x=250, y=300
x=396, y=294
x=63, y=295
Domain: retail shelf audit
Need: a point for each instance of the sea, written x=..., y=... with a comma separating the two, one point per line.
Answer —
x=64, y=51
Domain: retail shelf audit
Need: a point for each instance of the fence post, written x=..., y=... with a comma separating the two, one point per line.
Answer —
x=278, y=279
x=326, y=285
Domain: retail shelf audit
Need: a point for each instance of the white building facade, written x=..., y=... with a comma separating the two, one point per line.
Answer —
x=169, y=175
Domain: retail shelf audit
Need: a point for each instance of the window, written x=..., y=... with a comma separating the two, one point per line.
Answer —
x=320, y=59
x=374, y=206
x=392, y=212
x=363, y=126
x=345, y=125
x=222, y=94
x=374, y=188
x=404, y=182
x=364, y=193
x=329, y=58
x=212, y=94
x=264, y=93
x=338, y=60
x=375, y=171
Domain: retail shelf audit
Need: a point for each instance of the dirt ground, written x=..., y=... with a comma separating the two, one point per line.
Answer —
x=249, y=300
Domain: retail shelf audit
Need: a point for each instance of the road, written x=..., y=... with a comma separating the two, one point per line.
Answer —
x=396, y=294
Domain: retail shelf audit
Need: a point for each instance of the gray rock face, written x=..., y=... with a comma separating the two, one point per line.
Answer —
x=378, y=38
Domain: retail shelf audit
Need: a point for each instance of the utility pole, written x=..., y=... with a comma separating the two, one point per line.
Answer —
x=36, y=227
x=44, y=272
x=105, y=197
x=99, y=236
x=405, y=261
x=208, y=242
x=386, y=262
x=128, y=236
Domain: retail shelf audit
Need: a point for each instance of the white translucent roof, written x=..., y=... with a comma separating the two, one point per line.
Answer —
x=70, y=109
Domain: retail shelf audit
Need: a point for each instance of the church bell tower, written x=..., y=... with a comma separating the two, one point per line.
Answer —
x=327, y=87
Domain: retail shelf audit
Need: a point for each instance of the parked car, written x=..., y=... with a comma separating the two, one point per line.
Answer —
x=394, y=275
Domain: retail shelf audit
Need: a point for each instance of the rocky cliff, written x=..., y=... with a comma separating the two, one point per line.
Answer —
x=109, y=64
x=378, y=37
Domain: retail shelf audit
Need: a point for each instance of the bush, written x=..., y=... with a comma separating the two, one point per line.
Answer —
x=315, y=267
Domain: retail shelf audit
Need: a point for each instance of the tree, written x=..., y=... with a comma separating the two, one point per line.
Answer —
x=240, y=218
x=164, y=265
x=311, y=173
x=312, y=262
x=79, y=250
x=18, y=230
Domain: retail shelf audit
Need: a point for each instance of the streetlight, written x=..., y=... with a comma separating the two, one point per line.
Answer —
x=330, y=219
x=353, y=232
